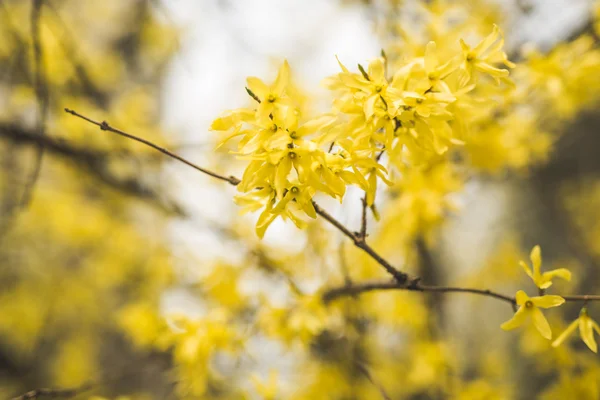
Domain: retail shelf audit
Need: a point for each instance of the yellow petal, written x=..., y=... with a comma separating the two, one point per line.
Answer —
x=561, y=338
x=309, y=209
x=540, y=323
x=596, y=327
x=521, y=297
x=369, y=106
x=265, y=219
x=282, y=80
x=258, y=87
x=526, y=268
x=377, y=70
x=342, y=65
x=430, y=58
x=487, y=42
x=516, y=321
x=547, y=301
x=560, y=272
x=586, y=332
x=536, y=259
x=281, y=174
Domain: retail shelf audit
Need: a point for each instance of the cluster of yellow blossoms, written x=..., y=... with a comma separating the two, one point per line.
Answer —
x=529, y=307
x=415, y=114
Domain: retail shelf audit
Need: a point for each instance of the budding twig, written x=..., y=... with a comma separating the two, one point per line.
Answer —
x=54, y=393
x=402, y=281
x=106, y=127
x=359, y=242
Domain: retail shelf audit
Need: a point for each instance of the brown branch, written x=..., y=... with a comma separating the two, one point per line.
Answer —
x=370, y=378
x=359, y=242
x=371, y=286
x=402, y=281
x=582, y=297
x=54, y=393
x=363, y=221
x=106, y=127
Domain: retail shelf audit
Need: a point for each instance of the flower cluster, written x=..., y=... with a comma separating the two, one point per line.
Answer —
x=415, y=114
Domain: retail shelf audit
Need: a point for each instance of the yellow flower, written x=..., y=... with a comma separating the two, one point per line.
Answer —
x=436, y=72
x=369, y=87
x=530, y=308
x=268, y=390
x=484, y=55
x=587, y=326
x=543, y=280
x=271, y=97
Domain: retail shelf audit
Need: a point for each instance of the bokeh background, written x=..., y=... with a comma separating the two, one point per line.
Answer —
x=101, y=238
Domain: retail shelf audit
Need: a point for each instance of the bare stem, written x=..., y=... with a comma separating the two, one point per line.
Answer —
x=106, y=127
x=370, y=286
x=54, y=393
x=402, y=281
x=363, y=221
x=361, y=243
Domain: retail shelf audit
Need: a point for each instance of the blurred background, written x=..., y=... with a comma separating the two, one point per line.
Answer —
x=121, y=271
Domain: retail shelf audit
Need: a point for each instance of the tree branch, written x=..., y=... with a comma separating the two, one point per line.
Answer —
x=359, y=242
x=371, y=286
x=363, y=220
x=54, y=393
x=106, y=127
x=402, y=281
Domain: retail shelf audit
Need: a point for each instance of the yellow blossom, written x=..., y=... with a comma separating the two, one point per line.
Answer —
x=272, y=98
x=543, y=280
x=587, y=326
x=268, y=389
x=529, y=307
x=483, y=57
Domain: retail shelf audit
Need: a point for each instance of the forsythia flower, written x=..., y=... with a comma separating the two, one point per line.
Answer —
x=484, y=55
x=530, y=308
x=412, y=114
x=587, y=326
x=272, y=97
x=543, y=280
x=268, y=390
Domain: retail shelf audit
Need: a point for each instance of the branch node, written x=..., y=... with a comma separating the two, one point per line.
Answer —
x=413, y=284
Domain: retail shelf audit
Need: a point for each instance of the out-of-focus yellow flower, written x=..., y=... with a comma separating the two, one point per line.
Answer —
x=587, y=326
x=543, y=280
x=483, y=57
x=268, y=389
x=271, y=98
x=530, y=308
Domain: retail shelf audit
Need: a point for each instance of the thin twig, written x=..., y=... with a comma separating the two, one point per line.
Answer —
x=370, y=378
x=582, y=297
x=106, y=127
x=54, y=393
x=370, y=286
x=363, y=222
x=359, y=242
x=402, y=281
